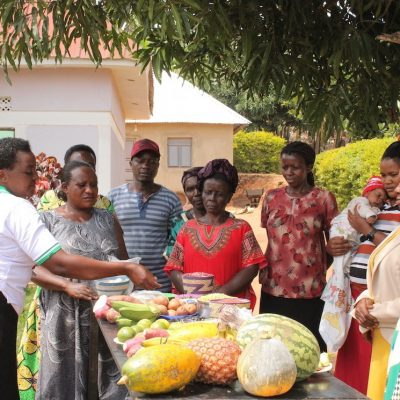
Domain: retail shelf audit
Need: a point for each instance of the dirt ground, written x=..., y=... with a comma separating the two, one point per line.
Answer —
x=254, y=181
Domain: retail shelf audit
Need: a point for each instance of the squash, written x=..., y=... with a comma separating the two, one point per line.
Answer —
x=266, y=368
x=160, y=368
x=299, y=340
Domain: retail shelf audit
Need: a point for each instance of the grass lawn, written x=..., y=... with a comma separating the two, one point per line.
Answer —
x=29, y=292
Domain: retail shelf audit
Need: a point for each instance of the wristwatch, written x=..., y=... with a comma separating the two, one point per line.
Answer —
x=369, y=236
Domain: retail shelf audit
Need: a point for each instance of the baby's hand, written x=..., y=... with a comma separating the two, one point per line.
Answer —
x=371, y=220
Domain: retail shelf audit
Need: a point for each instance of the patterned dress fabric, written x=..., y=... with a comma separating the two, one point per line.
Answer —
x=177, y=224
x=296, y=253
x=28, y=356
x=221, y=250
x=65, y=321
x=392, y=391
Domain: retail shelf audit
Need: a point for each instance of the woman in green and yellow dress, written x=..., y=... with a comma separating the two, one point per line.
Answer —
x=28, y=357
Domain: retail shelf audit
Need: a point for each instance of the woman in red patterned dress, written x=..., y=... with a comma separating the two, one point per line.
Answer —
x=297, y=218
x=217, y=243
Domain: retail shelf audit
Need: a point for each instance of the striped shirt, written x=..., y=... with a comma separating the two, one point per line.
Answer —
x=146, y=226
x=388, y=220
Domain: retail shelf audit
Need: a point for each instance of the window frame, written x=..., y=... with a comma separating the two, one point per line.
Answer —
x=4, y=132
x=179, y=143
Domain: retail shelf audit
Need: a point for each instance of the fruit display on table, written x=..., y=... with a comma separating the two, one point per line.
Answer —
x=300, y=341
x=199, y=349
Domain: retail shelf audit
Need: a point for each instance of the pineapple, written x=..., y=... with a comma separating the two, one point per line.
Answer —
x=218, y=360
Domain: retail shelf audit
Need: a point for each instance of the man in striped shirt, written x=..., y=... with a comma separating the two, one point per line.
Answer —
x=145, y=210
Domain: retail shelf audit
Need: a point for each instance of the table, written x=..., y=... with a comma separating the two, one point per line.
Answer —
x=317, y=386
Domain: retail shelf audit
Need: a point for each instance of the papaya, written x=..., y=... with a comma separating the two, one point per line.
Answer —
x=163, y=340
x=160, y=369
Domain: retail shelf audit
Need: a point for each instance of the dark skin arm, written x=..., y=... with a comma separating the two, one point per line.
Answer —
x=74, y=266
x=338, y=245
x=236, y=285
x=119, y=235
x=44, y=278
x=176, y=279
x=239, y=282
x=361, y=225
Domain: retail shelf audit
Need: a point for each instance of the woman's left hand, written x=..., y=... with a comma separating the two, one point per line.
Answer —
x=80, y=291
x=359, y=223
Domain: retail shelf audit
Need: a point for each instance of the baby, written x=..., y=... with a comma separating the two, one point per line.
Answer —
x=368, y=206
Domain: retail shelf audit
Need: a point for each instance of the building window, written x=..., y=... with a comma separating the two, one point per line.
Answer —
x=179, y=152
x=7, y=132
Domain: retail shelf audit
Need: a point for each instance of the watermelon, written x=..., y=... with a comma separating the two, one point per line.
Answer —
x=299, y=340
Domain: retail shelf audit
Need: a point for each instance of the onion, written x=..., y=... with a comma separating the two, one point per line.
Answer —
x=101, y=307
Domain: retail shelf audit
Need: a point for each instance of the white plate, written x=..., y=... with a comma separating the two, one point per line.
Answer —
x=324, y=369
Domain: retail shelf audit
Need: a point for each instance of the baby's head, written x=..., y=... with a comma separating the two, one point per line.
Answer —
x=375, y=192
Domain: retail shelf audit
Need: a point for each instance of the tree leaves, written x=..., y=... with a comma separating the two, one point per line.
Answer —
x=323, y=54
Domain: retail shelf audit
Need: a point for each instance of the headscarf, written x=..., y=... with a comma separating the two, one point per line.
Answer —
x=220, y=167
x=189, y=173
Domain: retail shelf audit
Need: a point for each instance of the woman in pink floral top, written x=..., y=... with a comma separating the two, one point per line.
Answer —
x=297, y=219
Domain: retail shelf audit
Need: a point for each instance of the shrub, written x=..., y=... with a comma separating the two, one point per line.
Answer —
x=49, y=174
x=257, y=152
x=345, y=171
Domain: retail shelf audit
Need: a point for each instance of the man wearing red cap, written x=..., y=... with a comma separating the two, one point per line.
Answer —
x=146, y=210
x=337, y=293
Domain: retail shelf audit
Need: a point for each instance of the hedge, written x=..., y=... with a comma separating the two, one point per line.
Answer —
x=345, y=171
x=257, y=152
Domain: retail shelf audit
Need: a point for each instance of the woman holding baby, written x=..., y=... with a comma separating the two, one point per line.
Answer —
x=379, y=270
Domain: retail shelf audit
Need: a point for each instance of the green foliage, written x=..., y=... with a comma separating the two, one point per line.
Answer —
x=257, y=151
x=345, y=171
x=268, y=113
x=323, y=54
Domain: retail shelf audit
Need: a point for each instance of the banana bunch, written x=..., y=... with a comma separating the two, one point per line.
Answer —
x=136, y=312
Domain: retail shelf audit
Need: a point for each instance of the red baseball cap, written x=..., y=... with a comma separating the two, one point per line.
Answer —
x=144, y=145
x=375, y=182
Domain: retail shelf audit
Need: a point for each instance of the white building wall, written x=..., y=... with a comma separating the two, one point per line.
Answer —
x=57, y=108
